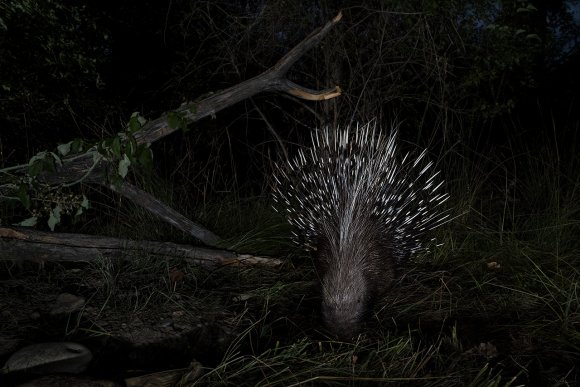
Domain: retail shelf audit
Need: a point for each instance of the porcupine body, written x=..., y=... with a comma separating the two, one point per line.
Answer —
x=363, y=208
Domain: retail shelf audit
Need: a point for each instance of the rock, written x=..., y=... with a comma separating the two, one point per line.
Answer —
x=67, y=303
x=44, y=358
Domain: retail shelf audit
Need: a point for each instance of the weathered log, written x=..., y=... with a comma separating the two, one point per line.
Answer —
x=21, y=244
x=163, y=211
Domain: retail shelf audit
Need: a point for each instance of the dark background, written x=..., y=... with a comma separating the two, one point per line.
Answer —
x=485, y=74
x=490, y=87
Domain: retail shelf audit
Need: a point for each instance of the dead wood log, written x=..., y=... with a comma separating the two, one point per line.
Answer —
x=163, y=211
x=27, y=244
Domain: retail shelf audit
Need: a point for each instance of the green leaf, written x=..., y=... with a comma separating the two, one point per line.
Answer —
x=124, y=166
x=116, y=147
x=48, y=165
x=177, y=121
x=54, y=218
x=83, y=206
x=64, y=149
x=173, y=120
x=23, y=196
x=77, y=145
x=30, y=222
x=145, y=157
x=193, y=109
x=134, y=125
x=136, y=122
x=133, y=146
x=85, y=203
x=35, y=168
x=37, y=157
x=56, y=159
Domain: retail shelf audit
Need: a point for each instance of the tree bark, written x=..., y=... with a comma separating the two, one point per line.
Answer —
x=166, y=213
x=28, y=244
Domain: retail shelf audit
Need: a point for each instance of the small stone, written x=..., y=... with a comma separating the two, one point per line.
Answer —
x=34, y=315
x=67, y=303
x=63, y=357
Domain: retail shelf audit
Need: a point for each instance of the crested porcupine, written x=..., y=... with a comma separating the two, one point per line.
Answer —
x=363, y=208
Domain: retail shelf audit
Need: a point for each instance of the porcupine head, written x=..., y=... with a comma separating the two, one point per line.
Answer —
x=355, y=267
x=362, y=209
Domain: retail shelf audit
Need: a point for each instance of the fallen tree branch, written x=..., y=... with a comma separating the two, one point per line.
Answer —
x=163, y=211
x=273, y=79
x=92, y=167
x=27, y=244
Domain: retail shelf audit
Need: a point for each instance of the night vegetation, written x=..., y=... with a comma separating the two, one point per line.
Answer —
x=491, y=88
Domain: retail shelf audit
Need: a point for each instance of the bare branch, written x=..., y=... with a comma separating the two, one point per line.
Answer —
x=165, y=212
x=272, y=79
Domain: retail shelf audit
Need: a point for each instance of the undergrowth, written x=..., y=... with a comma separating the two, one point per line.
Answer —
x=497, y=304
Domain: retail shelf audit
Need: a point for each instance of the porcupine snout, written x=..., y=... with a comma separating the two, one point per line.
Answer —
x=345, y=301
x=348, y=296
x=353, y=274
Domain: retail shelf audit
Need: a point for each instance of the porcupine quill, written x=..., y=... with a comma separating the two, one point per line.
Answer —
x=363, y=209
